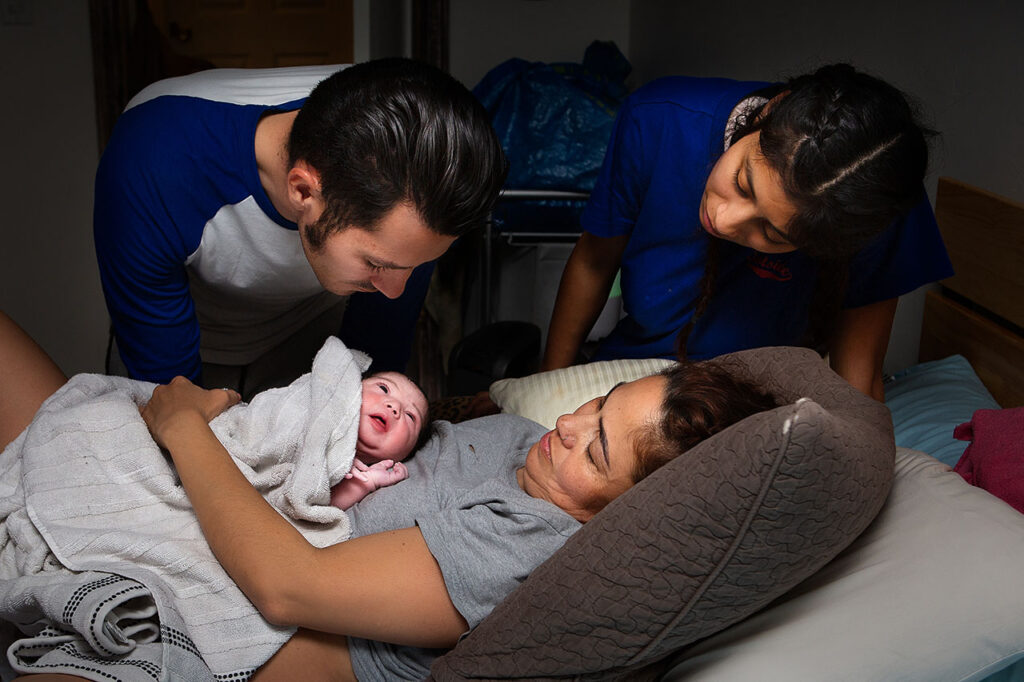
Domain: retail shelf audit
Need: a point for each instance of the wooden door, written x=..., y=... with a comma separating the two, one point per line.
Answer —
x=258, y=33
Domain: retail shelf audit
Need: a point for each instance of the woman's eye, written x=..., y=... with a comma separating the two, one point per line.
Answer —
x=736, y=182
x=770, y=236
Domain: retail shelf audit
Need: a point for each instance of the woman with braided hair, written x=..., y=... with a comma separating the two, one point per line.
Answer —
x=746, y=214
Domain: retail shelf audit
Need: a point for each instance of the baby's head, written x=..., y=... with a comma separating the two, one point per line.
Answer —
x=393, y=418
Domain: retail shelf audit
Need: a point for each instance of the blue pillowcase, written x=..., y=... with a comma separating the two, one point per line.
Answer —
x=929, y=400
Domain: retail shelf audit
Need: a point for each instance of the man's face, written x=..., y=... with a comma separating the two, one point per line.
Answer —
x=380, y=260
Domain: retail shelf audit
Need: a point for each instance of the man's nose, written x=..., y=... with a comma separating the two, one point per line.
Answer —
x=391, y=283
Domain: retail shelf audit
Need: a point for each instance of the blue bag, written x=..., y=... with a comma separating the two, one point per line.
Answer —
x=554, y=120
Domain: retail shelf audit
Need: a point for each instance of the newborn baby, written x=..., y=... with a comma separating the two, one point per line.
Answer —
x=392, y=423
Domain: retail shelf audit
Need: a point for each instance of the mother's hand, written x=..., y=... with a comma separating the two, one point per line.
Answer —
x=179, y=401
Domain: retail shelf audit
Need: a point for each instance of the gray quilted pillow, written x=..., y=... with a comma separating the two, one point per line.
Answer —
x=702, y=543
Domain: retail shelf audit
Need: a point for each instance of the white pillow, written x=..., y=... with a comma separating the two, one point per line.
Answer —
x=546, y=396
x=930, y=591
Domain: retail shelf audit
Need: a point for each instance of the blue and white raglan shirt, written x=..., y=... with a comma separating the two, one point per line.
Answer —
x=667, y=138
x=186, y=237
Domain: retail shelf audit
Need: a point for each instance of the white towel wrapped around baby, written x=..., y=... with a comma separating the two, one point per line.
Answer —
x=102, y=560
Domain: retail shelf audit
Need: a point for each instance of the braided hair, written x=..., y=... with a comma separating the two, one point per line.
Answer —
x=851, y=154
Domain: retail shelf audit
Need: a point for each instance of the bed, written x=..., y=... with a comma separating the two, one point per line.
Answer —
x=816, y=541
x=929, y=591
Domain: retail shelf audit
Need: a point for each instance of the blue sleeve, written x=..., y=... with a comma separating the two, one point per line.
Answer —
x=625, y=173
x=666, y=137
x=909, y=254
x=141, y=256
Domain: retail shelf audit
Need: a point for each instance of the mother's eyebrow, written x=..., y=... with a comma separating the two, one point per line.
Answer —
x=604, y=442
x=601, y=433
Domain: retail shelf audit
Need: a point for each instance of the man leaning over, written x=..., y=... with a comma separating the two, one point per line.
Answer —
x=232, y=211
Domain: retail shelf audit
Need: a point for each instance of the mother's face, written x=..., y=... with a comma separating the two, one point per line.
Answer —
x=589, y=458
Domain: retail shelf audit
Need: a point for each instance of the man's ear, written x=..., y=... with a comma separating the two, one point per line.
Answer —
x=304, y=189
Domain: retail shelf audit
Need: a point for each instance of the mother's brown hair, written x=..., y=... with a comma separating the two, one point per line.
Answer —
x=700, y=400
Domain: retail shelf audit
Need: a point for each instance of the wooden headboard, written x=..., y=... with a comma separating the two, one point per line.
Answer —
x=979, y=312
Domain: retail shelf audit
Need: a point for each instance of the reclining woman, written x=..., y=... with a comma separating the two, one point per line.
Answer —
x=485, y=503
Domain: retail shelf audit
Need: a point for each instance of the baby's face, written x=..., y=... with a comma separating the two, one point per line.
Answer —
x=390, y=418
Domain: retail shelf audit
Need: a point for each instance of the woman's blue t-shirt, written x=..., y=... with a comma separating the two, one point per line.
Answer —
x=668, y=136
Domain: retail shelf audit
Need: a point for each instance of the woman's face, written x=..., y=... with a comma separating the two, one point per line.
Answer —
x=744, y=201
x=589, y=458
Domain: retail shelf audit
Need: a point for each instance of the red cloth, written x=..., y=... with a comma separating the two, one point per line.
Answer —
x=994, y=460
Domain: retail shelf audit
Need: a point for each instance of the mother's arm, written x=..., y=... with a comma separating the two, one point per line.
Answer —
x=859, y=346
x=385, y=587
x=27, y=378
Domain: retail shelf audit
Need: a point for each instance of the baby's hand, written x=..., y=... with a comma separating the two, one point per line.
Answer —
x=362, y=480
x=385, y=472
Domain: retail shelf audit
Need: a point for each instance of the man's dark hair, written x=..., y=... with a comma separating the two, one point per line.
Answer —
x=390, y=131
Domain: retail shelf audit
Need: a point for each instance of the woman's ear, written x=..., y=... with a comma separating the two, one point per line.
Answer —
x=771, y=103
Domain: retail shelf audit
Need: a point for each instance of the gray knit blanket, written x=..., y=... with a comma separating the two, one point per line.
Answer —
x=104, y=572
